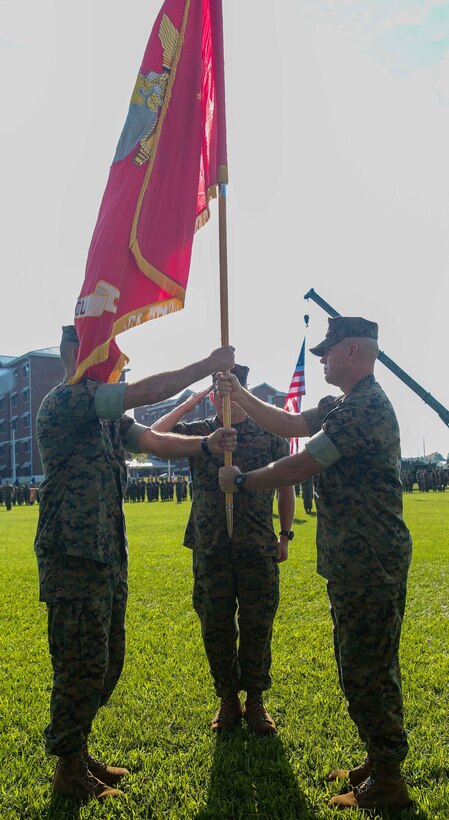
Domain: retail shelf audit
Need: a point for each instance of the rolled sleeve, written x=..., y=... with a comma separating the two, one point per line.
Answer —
x=109, y=399
x=131, y=439
x=323, y=450
x=313, y=420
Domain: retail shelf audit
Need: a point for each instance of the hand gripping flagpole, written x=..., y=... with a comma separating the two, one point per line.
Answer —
x=224, y=316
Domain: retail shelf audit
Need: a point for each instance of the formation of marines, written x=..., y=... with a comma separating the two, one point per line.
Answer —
x=155, y=488
x=426, y=480
x=18, y=494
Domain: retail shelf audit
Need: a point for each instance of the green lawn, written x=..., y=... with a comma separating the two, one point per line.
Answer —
x=157, y=723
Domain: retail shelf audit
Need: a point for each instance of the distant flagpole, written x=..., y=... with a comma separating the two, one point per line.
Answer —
x=295, y=393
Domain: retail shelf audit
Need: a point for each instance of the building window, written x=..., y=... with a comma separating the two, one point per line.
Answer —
x=16, y=373
x=26, y=395
x=2, y=426
x=26, y=446
x=2, y=404
x=14, y=400
x=26, y=420
x=26, y=370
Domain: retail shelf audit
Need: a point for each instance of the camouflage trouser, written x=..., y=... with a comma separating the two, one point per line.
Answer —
x=231, y=585
x=367, y=630
x=86, y=634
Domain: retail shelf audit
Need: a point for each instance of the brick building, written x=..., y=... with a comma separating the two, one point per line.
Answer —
x=24, y=381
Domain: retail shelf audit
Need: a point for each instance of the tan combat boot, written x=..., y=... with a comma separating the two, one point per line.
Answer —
x=106, y=774
x=228, y=715
x=384, y=788
x=72, y=778
x=257, y=717
x=356, y=775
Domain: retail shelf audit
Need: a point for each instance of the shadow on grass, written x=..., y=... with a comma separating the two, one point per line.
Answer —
x=251, y=777
x=62, y=808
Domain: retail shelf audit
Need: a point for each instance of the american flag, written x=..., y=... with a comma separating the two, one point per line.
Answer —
x=296, y=391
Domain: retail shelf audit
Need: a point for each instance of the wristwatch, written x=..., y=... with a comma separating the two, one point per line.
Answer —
x=239, y=481
x=288, y=534
x=205, y=447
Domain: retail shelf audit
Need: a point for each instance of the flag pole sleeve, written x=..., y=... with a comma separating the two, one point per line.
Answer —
x=224, y=318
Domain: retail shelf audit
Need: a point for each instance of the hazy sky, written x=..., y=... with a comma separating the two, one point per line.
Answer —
x=338, y=135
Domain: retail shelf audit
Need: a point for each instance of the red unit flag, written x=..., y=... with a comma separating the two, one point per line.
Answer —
x=169, y=160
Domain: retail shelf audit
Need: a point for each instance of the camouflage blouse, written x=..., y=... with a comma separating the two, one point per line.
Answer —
x=361, y=536
x=253, y=509
x=83, y=457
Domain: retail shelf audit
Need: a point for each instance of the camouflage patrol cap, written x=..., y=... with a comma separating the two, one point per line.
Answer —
x=69, y=334
x=240, y=372
x=345, y=327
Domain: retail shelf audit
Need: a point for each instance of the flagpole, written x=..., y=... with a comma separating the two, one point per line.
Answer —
x=224, y=317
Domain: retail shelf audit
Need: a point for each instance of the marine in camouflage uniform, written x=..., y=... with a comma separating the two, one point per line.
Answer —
x=363, y=547
x=307, y=494
x=81, y=549
x=8, y=494
x=236, y=578
x=364, y=551
x=83, y=580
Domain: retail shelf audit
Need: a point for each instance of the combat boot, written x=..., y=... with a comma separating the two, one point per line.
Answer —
x=106, y=774
x=228, y=715
x=384, y=788
x=72, y=778
x=356, y=775
x=257, y=717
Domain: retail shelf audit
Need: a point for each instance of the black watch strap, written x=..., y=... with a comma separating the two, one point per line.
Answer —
x=288, y=534
x=239, y=481
x=204, y=447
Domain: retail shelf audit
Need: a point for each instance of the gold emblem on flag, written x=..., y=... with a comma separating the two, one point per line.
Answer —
x=150, y=88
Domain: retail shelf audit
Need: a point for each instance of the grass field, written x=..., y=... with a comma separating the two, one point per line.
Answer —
x=157, y=722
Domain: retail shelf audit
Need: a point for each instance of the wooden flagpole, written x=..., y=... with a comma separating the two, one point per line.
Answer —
x=224, y=316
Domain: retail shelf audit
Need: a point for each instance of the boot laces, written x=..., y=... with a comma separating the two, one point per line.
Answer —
x=257, y=709
x=99, y=763
x=85, y=771
x=365, y=786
